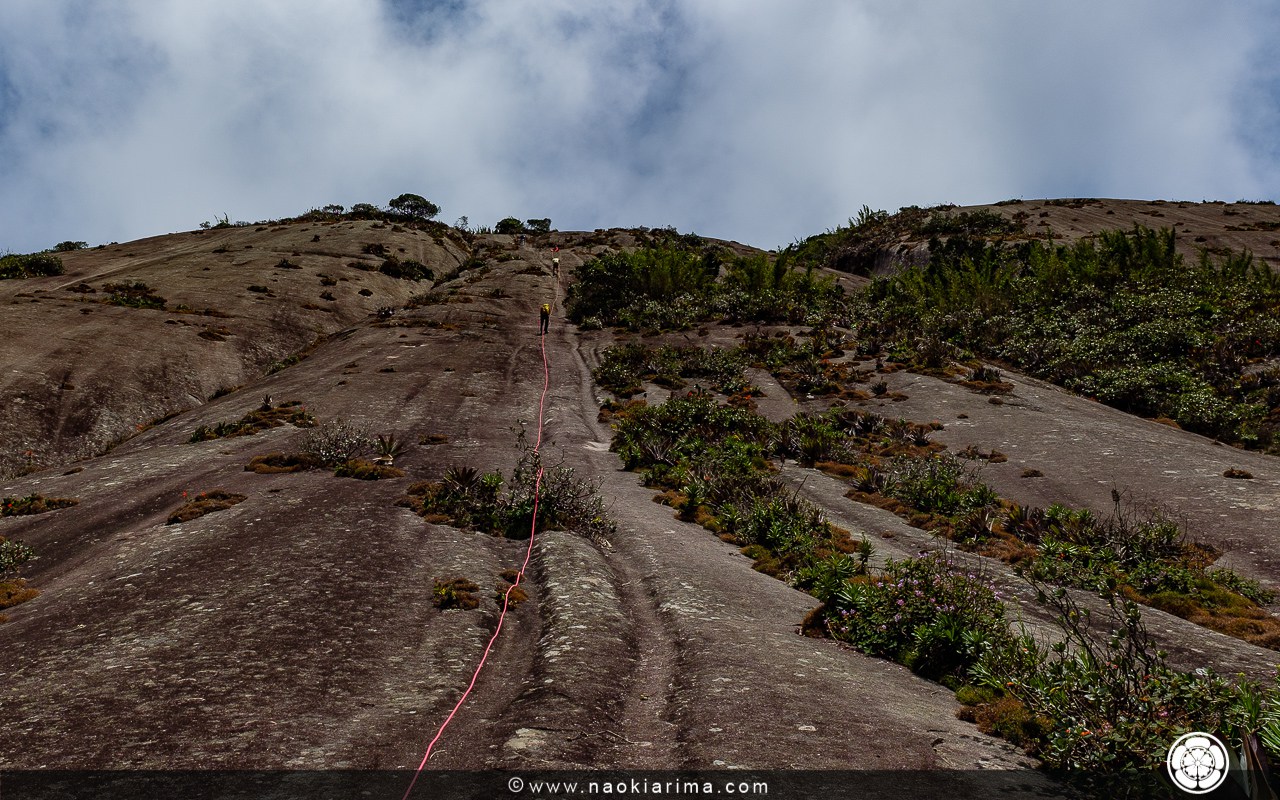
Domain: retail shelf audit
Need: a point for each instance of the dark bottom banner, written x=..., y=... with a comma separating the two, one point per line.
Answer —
x=585, y=785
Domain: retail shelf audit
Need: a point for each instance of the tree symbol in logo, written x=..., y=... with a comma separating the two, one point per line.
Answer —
x=1197, y=762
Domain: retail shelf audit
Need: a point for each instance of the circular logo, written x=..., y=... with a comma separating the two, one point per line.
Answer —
x=1197, y=762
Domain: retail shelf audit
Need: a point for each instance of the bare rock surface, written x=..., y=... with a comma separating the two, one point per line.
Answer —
x=297, y=630
x=1085, y=450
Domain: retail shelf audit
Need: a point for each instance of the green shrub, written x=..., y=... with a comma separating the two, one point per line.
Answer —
x=922, y=612
x=408, y=269
x=366, y=211
x=388, y=447
x=464, y=497
x=810, y=438
x=760, y=289
x=1245, y=587
x=1069, y=708
x=969, y=223
x=565, y=501
x=31, y=265
x=678, y=284
x=826, y=577
x=621, y=369
x=1145, y=552
x=938, y=484
x=428, y=298
x=624, y=367
x=714, y=462
x=132, y=294
x=682, y=428
x=1143, y=555
x=1100, y=704
x=473, y=500
x=287, y=361
x=667, y=286
x=803, y=367
x=1111, y=702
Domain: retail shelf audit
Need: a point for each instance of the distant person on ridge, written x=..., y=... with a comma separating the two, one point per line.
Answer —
x=546, y=317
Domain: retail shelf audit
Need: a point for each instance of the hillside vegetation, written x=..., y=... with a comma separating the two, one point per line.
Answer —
x=1126, y=316
x=1123, y=317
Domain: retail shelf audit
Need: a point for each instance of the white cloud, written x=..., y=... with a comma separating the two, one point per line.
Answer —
x=739, y=118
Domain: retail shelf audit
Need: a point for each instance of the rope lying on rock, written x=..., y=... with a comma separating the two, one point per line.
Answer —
x=506, y=597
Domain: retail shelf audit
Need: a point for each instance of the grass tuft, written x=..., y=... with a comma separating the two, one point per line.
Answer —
x=262, y=418
x=33, y=504
x=455, y=593
x=205, y=503
x=361, y=469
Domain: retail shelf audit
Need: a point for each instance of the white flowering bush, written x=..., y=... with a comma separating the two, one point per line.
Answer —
x=337, y=442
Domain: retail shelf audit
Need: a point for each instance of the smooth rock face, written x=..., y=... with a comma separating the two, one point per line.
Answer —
x=296, y=630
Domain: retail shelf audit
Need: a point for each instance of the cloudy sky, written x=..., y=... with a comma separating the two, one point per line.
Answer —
x=744, y=119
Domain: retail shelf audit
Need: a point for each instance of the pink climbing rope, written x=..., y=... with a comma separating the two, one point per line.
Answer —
x=506, y=597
